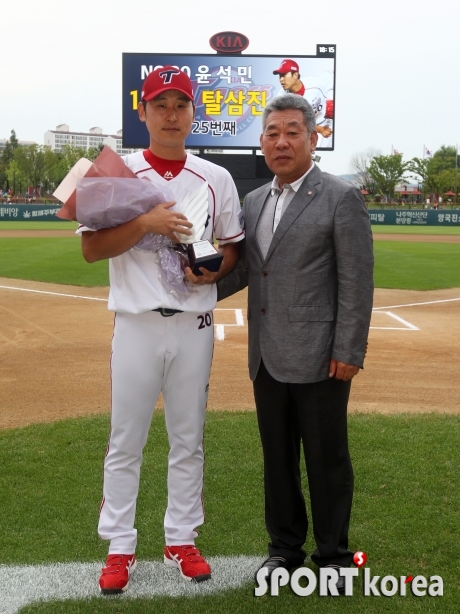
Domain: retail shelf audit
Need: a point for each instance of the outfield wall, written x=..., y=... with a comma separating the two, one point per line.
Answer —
x=414, y=217
x=29, y=213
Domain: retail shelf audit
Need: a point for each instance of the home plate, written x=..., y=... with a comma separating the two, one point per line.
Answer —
x=26, y=584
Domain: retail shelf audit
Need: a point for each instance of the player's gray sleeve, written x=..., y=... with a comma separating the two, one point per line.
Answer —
x=237, y=279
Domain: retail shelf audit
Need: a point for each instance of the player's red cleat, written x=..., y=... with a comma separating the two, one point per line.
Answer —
x=192, y=566
x=115, y=575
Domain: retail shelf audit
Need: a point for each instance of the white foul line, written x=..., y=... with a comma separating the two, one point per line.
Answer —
x=446, y=300
x=238, y=312
x=88, y=298
x=220, y=328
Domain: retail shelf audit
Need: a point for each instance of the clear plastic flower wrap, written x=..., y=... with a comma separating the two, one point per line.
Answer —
x=172, y=260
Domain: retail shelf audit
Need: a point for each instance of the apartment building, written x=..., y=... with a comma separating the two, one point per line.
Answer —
x=3, y=143
x=56, y=139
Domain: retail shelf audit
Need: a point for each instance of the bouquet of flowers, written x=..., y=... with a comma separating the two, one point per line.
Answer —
x=107, y=164
x=106, y=193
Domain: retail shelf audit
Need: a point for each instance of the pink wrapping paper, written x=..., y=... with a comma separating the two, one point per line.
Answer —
x=107, y=164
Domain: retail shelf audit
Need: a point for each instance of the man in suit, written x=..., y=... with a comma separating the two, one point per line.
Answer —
x=308, y=266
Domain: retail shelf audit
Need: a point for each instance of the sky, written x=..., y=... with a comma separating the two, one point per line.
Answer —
x=397, y=83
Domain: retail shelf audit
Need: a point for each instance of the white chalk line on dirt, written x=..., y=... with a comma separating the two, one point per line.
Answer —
x=21, y=585
x=219, y=328
x=407, y=325
x=92, y=298
x=446, y=300
x=88, y=298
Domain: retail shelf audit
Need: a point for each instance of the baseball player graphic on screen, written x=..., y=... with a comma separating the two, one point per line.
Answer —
x=318, y=91
x=161, y=343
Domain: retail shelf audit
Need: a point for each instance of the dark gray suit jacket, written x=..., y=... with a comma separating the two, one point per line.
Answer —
x=311, y=298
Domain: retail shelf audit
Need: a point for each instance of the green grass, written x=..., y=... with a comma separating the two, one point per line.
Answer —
x=416, y=266
x=421, y=230
x=61, y=225
x=242, y=601
x=51, y=476
x=54, y=260
x=415, y=230
x=405, y=513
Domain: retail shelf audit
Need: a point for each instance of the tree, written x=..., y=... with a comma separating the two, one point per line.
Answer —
x=31, y=162
x=55, y=169
x=67, y=158
x=93, y=152
x=58, y=164
x=5, y=159
x=71, y=154
x=387, y=172
x=359, y=165
x=13, y=140
x=437, y=173
x=16, y=178
x=443, y=159
x=445, y=180
x=3, y=177
x=10, y=146
x=419, y=166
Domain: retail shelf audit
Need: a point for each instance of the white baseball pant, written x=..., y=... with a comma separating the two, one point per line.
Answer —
x=152, y=353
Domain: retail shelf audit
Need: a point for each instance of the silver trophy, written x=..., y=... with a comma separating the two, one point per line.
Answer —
x=201, y=253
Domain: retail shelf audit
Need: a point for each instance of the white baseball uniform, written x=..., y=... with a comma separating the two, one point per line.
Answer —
x=316, y=90
x=153, y=353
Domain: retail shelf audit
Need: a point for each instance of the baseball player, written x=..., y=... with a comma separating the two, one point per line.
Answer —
x=315, y=91
x=160, y=342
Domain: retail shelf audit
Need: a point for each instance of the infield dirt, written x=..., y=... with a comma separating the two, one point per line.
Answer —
x=55, y=353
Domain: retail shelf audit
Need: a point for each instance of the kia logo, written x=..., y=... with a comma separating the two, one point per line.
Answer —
x=229, y=42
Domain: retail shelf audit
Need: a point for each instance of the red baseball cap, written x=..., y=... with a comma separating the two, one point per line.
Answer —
x=164, y=79
x=287, y=66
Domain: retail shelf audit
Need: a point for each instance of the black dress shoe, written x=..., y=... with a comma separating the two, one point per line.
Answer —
x=272, y=563
x=340, y=584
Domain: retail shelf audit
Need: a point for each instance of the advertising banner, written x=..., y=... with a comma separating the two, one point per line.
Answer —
x=231, y=93
x=415, y=217
x=28, y=213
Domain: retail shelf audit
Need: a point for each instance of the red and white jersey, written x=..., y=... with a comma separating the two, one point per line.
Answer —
x=135, y=285
x=316, y=91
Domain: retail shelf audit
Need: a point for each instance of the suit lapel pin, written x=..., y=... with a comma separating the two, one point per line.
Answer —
x=309, y=192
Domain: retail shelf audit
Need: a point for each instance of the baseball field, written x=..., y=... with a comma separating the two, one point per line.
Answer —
x=55, y=336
